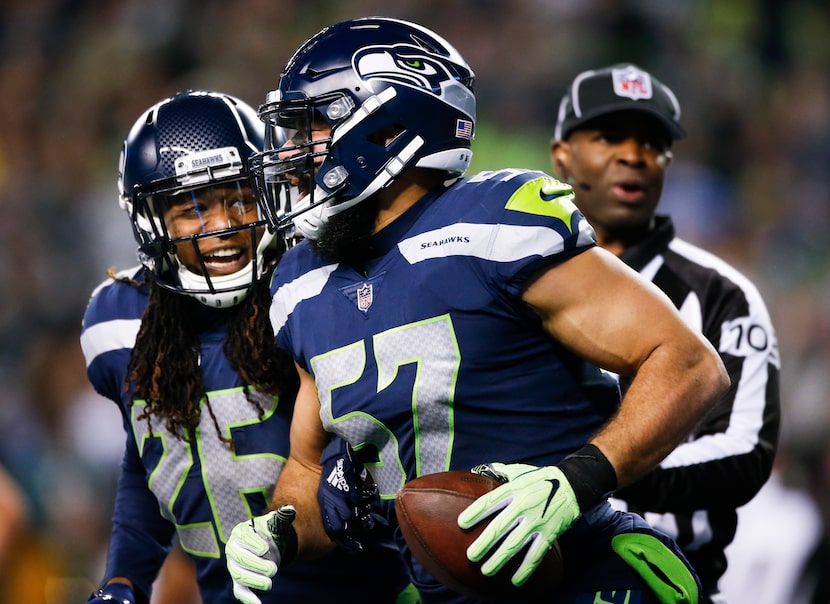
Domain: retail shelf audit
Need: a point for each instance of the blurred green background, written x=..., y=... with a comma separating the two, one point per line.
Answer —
x=750, y=183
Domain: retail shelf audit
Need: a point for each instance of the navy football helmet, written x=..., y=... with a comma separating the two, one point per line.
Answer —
x=187, y=148
x=370, y=80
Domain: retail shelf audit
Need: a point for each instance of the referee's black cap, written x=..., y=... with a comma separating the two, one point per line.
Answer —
x=621, y=87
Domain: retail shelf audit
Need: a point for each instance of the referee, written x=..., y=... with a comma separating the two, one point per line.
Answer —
x=612, y=143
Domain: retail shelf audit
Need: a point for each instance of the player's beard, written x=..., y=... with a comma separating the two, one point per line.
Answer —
x=344, y=238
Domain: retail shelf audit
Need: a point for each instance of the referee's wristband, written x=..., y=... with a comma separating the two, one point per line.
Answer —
x=591, y=475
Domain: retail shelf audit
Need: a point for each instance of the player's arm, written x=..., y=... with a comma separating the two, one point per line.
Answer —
x=258, y=548
x=140, y=536
x=300, y=477
x=605, y=312
x=731, y=456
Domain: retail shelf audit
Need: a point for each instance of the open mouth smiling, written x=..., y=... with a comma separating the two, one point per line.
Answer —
x=222, y=260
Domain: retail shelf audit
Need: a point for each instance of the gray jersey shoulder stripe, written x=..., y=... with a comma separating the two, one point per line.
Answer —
x=290, y=294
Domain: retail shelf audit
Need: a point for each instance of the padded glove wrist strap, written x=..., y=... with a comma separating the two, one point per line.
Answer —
x=591, y=475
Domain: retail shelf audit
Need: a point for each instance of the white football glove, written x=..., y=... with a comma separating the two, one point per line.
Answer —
x=257, y=548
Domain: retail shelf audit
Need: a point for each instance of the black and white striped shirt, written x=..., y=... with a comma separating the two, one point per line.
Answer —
x=694, y=494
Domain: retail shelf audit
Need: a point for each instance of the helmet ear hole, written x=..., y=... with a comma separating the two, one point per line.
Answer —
x=384, y=136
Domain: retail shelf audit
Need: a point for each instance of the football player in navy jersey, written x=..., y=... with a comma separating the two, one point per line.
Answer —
x=184, y=346
x=613, y=140
x=466, y=324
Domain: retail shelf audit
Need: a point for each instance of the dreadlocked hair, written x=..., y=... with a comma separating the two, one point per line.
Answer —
x=164, y=369
x=252, y=350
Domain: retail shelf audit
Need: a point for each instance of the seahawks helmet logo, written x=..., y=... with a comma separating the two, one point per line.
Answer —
x=401, y=64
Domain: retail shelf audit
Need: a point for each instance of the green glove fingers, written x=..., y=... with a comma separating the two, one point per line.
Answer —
x=532, y=560
x=254, y=552
x=533, y=508
x=244, y=594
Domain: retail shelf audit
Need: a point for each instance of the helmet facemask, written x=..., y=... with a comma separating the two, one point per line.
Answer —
x=193, y=230
x=185, y=184
x=284, y=174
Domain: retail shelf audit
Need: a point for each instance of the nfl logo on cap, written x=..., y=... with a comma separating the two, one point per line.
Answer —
x=620, y=87
x=632, y=83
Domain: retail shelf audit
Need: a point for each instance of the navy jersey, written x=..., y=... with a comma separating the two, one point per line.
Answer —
x=429, y=359
x=694, y=494
x=200, y=490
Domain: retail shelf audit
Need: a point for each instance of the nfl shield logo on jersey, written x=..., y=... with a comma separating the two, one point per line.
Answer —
x=632, y=83
x=364, y=297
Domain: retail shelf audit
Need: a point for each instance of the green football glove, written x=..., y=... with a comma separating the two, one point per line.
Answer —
x=534, y=507
x=257, y=548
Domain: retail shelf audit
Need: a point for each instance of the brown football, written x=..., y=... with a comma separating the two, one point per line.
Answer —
x=427, y=509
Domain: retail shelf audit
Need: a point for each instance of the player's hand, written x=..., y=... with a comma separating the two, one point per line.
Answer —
x=114, y=593
x=257, y=548
x=347, y=496
x=535, y=506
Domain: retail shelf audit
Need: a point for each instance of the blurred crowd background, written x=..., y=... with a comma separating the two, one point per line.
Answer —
x=749, y=183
